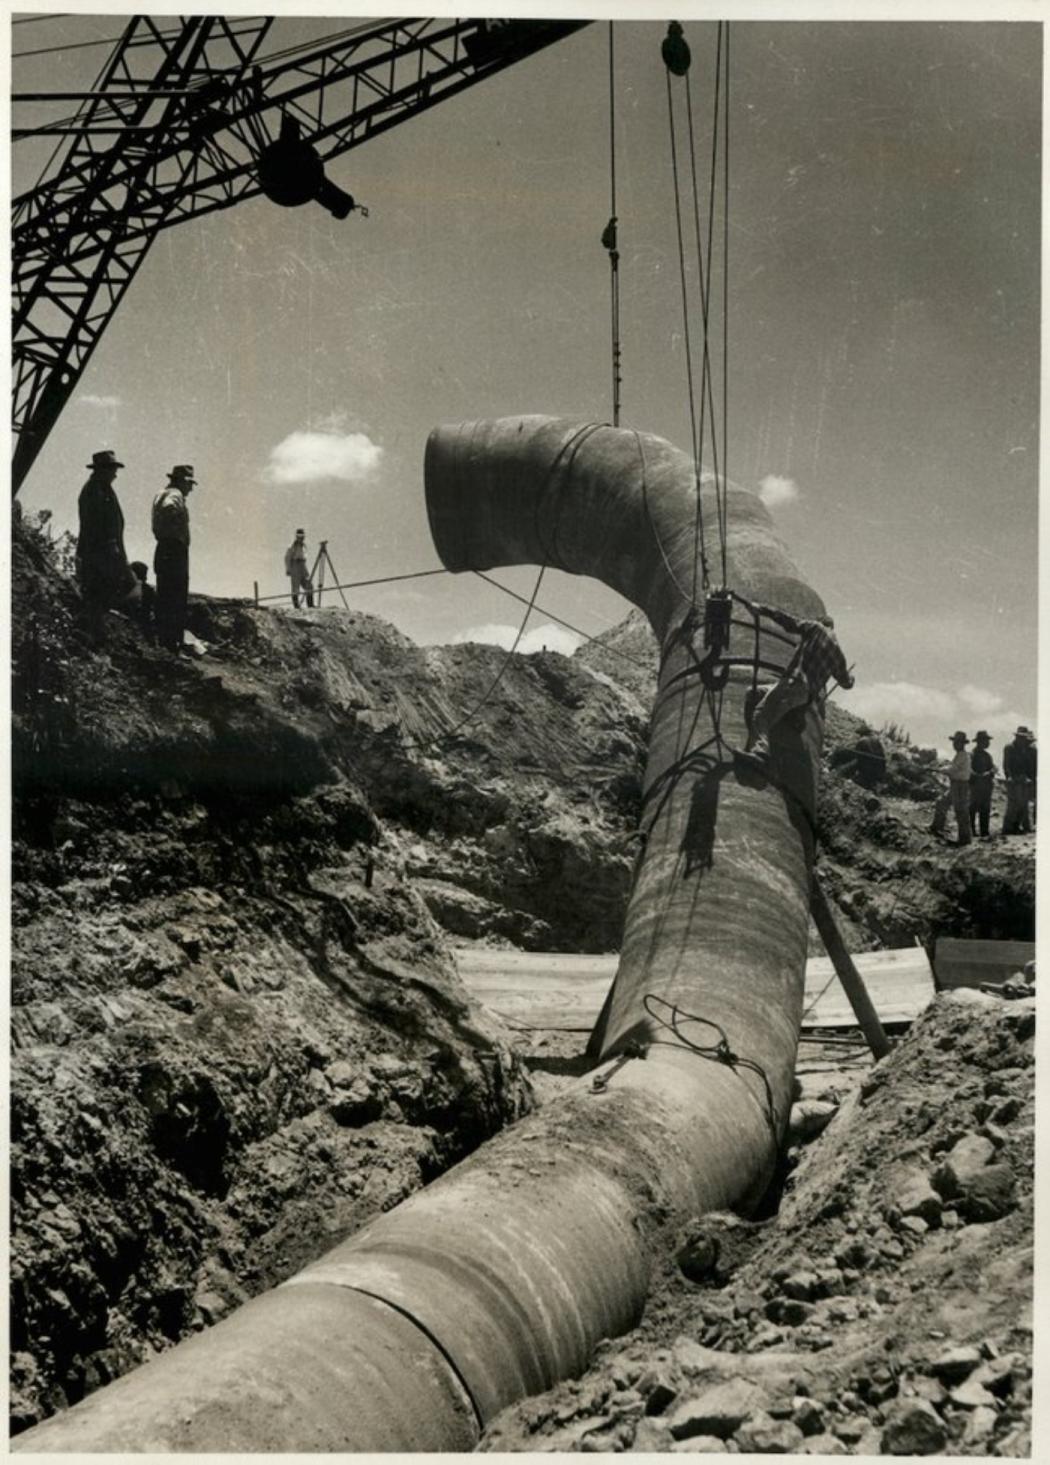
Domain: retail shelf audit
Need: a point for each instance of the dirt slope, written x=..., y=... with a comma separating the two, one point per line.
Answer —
x=237, y=1027
x=885, y=1309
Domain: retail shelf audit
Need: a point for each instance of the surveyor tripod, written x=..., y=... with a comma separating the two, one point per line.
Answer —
x=317, y=574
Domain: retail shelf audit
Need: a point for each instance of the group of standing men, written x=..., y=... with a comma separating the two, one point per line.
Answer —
x=971, y=778
x=107, y=581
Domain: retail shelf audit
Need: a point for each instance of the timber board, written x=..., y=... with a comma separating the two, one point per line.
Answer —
x=554, y=989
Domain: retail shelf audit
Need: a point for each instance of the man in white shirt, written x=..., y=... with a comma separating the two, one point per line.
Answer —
x=957, y=796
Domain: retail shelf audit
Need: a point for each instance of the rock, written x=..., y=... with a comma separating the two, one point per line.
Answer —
x=1007, y=1111
x=720, y=1411
x=693, y=1359
x=830, y=1282
x=748, y=1302
x=967, y=1157
x=211, y=1306
x=913, y=1195
x=657, y=1389
x=989, y=1195
x=913, y=1427
x=697, y=1256
x=788, y=1310
x=809, y=1119
x=955, y=1364
x=980, y=1425
x=701, y=1444
x=823, y=1444
x=914, y=1225
x=808, y=1414
x=651, y=1437
x=800, y=1285
x=972, y=1395
x=998, y=1374
x=763, y=1435
x=929, y=1389
x=850, y=1429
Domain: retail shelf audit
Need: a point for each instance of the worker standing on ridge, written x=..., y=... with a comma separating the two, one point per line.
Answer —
x=171, y=561
x=295, y=569
x=957, y=796
x=143, y=601
x=982, y=779
x=102, y=562
x=1019, y=772
x=818, y=658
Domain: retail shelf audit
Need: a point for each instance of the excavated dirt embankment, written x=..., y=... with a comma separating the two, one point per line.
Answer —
x=885, y=1309
x=237, y=1028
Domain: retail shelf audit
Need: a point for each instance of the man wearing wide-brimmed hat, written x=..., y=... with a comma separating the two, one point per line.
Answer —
x=171, y=560
x=102, y=564
x=957, y=796
x=982, y=781
x=296, y=570
x=1019, y=772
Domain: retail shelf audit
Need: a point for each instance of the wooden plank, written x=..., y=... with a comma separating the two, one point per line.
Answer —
x=969, y=963
x=900, y=984
x=555, y=989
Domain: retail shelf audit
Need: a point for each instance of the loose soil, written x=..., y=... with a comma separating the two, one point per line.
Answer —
x=238, y=1030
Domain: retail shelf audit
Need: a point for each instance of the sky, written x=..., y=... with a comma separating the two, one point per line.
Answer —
x=884, y=332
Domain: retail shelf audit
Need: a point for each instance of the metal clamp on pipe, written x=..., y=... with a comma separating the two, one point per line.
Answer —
x=600, y=1081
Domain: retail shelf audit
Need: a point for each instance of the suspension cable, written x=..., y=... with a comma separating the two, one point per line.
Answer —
x=677, y=60
x=725, y=312
x=704, y=276
x=700, y=554
x=610, y=241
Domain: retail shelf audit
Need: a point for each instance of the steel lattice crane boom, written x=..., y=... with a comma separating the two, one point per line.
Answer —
x=189, y=119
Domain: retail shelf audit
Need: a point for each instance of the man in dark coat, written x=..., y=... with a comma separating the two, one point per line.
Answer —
x=102, y=564
x=171, y=560
x=1019, y=772
x=870, y=766
x=982, y=779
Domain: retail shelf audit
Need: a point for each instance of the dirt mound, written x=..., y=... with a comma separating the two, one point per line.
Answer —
x=885, y=1309
x=237, y=1028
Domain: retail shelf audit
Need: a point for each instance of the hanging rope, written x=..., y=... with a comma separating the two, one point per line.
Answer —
x=703, y=279
x=700, y=549
x=725, y=312
x=609, y=239
x=703, y=423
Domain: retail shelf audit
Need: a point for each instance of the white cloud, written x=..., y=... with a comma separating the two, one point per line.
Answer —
x=309, y=455
x=931, y=715
x=546, y=637
x=904, y=703
x=979, y=699
x=92, y=399
x=775, y=490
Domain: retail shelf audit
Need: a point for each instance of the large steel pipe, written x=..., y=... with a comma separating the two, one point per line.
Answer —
x=501, y=1277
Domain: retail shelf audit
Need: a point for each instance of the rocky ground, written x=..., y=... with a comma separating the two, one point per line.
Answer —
x=884, y=1308
x=237, y=1028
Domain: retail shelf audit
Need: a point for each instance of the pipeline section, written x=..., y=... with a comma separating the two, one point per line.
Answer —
x=501, y=1277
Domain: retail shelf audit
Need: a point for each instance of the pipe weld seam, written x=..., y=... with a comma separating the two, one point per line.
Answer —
x=409, y=1317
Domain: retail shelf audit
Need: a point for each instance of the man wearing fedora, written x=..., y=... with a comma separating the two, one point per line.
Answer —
x=102, y=564
x=1019, y=772
x=295, y=569
x=982, y=779
x=171, y=560
x=957, y=796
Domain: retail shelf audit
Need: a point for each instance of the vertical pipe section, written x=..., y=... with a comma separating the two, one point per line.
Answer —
x=501, y=1277
x=718, y=919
